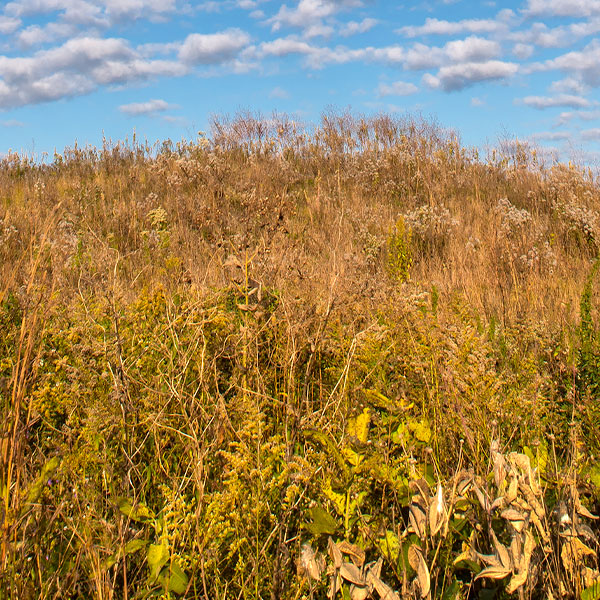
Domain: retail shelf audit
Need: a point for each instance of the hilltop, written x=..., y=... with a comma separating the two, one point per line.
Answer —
x=231, y=363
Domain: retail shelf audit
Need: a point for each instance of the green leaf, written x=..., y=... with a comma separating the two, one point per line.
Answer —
x=135, y=545
x=453, y=592
x=174, y=579
x=592, y=592
x=158, y=556
x=328, y=444
x=322, y=522
x=140, y=512
x=390, y=546
x=37, y=487
x=594, y=475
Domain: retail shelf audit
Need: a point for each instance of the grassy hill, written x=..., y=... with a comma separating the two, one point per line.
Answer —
x=351, y=361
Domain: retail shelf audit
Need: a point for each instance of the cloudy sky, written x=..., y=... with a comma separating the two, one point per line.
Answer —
x=80, y=69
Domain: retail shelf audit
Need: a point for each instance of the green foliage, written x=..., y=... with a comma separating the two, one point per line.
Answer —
x=399, y=252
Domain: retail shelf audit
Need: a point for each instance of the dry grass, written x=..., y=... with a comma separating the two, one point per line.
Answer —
x=193, y=331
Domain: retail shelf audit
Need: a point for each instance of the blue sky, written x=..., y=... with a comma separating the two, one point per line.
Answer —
x=75, y=70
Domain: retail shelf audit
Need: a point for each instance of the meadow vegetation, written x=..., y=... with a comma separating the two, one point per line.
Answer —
x=356, y=360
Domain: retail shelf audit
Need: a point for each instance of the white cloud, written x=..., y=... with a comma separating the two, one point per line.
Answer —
x=563, y=8
x=8, y=25
x=92, y=12
x=477, y=101
x=541, y=102
x=77, y=67
x=591, y=134
x=12, y=123
x=523, y=51
x=552, y=136
x=457, y=77
x=280, y=93
x=213, y=48
x=149, y=108
x=354, y=27
x=397, y=88
x=309, y=13
x=582, y=64
x=569, y=85
x=439, y=27
x=34, y=35
x=472, y=49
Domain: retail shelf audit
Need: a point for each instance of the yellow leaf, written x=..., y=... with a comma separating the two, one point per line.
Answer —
x=358, y=427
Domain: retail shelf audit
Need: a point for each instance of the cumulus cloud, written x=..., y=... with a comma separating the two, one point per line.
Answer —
x=523, y=51
x=541, y=102
x=213, y=48
x=397, y=88
x=583, y=65
x=442, y=27
x=354, y=27
x=149, y=108
x=591, y=134
x=562, y=8
x=472, y=49
x=568, y=85
x=91, y=12
x=457, y=77
x=8, y=25
x=552, y=136
x=309, y=14
x=75, y=68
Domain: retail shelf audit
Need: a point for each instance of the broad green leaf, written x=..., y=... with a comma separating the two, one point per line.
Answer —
x=390, y=546
x=130, y=547
x=401, y=435
x=594, y=474
x=135, y=545
x=322, y=522
x=140, y=512
x=158, y=556
x=592, y=592
x=453, y=592
x=36, y=488
x=174, y=579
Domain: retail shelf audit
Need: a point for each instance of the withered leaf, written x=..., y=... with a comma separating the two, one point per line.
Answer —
x=417, y=562
x=493, y=573
x=356, y=554
x=523, y=565
x=421, y=487
x=417, y=517
x=502, y=552
x=311, y=563
x=511, y=493
x=437, y=512
x=351, y=573
x=516, y=518
x=385, y=591
x=358, y=592
x=334, y=553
